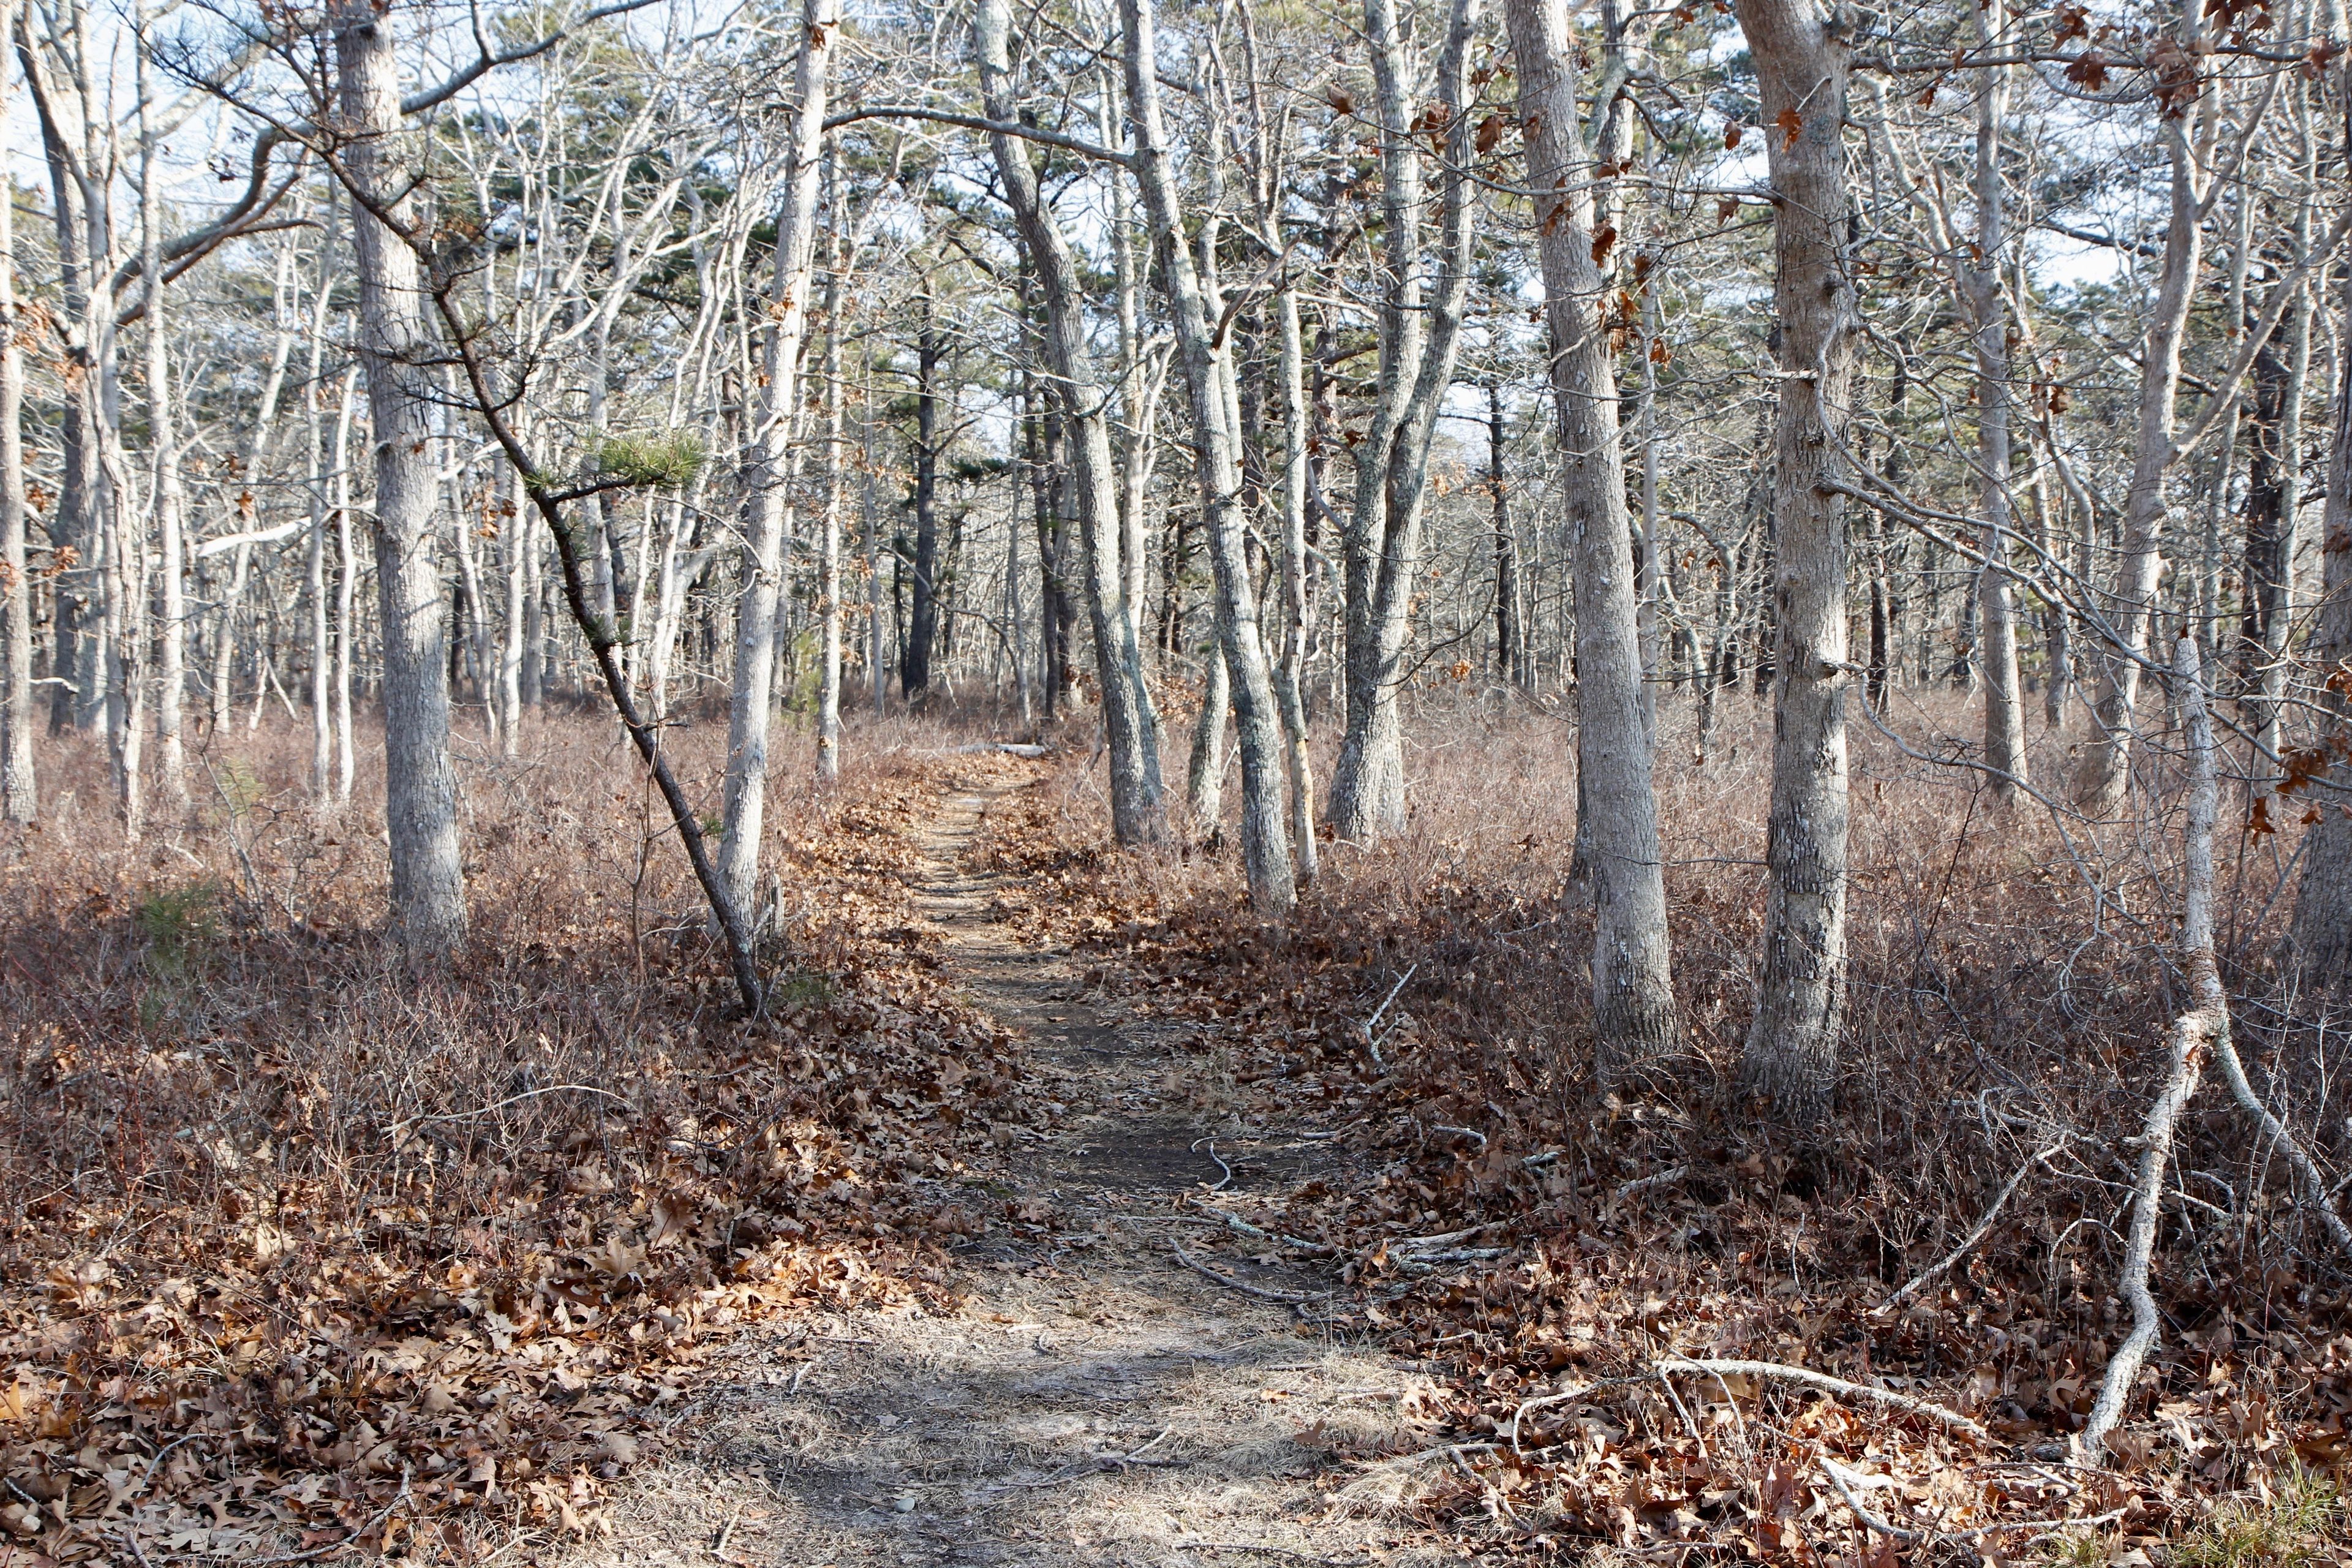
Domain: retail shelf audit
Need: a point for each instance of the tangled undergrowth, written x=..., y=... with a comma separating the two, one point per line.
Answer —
x=1553, y=1250
x=305, y=1248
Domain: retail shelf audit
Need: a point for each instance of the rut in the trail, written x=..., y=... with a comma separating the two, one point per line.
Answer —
x=1093, y=1402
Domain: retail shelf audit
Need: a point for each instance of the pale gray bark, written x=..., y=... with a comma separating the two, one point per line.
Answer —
x=1802, y=64
x=1420, y=331
x=1131, y=727
x=828, y=552
x=2204, y=1028
x=1633, y=986
x=428, y=890
x=1207, y=360
x=167, y=500
x=2104, y=773
x=19, y=791
x=2319, y=938
x=751, y=703
x=1980, y=287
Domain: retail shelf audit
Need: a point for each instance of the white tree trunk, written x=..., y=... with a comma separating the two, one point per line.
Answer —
x=19, y=795
x=764, y=468
x=2104, y=774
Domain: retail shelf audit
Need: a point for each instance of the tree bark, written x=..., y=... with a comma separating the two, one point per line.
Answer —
x=1209, y=379
x=828, y=554
x=752, y=701
x=2319, y=937
x=428, y=890
x=1420, y=331
x=2104, y=774
x=1802, y=64
x=1980, y=287
x=1131, y=727
x=1633, y=985
x=19, y=791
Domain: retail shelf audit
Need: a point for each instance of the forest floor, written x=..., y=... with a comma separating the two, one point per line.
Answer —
x=1060, y=1211
x=1092, y=1398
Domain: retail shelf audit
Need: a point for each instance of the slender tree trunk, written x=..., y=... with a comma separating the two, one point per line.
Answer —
x=1633, y=986
x=751, y=704
x=428, y=889
x=20, y=794
x=2004, y=716
x=1801, y=67
x=1291, y=673
x=1420, y=331
x=1506, y=549
x=2104, y=773
x=828, y=554
x=1209, y=378
x=2319, y=938
x=1131, y=727
x=923, y=615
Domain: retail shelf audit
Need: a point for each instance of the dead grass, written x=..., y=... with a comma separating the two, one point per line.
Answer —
x=2010, y=984
x=303, y=1237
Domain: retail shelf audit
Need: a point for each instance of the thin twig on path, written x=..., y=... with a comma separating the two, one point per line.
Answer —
x=1289, y=1298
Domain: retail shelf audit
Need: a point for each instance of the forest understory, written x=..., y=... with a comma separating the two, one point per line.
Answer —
x=315, y=1250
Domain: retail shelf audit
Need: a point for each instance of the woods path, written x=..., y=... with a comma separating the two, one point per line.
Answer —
x=1093, y=1401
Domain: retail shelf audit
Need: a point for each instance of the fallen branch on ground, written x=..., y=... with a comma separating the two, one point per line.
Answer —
x=1828, y=1384
x=1984, y=1226
x=1290, y=1298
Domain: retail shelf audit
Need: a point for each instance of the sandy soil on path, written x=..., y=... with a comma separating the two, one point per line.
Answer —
x=1093, y=1401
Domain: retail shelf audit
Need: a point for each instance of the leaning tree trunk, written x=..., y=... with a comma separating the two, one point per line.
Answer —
x=1802, y=65
x=428, y=889
x=2104, y=774
x=1632, y=984
x=751, y=703
x=1209, y=379
x=1131, y=727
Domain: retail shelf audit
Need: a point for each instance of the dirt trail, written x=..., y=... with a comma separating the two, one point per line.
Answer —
x=1094, y=1402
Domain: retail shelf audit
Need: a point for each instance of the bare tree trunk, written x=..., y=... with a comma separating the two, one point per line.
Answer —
x=1291, y=674
x=20, y=794
x=2194, y=1035
x=1420, y=331
x=1980, y=286
x=1209, y=378
x=347, y=577
x=1633, y=985
x=428, y=889
x=2319, y=939
x=828, y=555
x=752, y=701
x=2104, y=774
x=1131, y=727
x=923, y=618
x=1802, y=65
